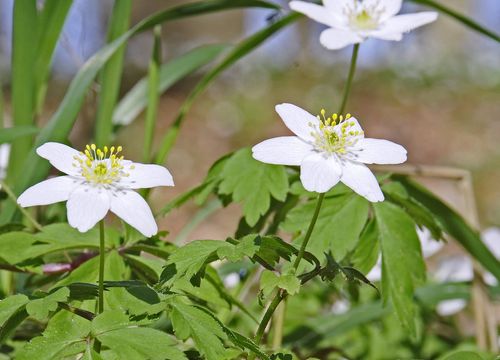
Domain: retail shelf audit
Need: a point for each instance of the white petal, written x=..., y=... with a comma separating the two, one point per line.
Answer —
x=361, y=180
x=297, y=120
x=142, y=176
x=48, y=192
x=375, y=273
x=490, y=279
x=318, y=173
x=491, y=238
x=429, y=245
x=86, y=206
x=135, y=211
x=283, y=150
x=385, y=35
x=450, y=307
x=378, y=151
x=339, y=7
x=454, y=268
x=334, y=39
x=403, y=23
x=316, y=12
x=60, y=156
x=387, y=8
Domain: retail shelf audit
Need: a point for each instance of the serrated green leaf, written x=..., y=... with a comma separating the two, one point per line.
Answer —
x=10, y=305
x=367, y=251
x=253, y=183
x=141, y=343
x=191, y=321
x=109, y=320
x=190, y=259
x=40, y=308
x=339, y=225
x=246, y=247
x=65, y=335
x=269, y=281
x=403, y=265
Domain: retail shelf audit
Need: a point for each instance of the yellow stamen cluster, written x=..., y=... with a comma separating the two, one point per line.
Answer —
x=334, y=133
x=101, y=166
x=364, y=17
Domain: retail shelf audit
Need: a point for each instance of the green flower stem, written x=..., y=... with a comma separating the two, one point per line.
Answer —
x=352, y=69
x=310, y=229
x=282, y=294
x=100, y=304
x=100, y=300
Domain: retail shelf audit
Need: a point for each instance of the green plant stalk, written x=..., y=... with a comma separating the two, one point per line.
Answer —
x=100, y=297
x=282, y=294
x=24, y=46
x=102, y=253
x=111, y=73
x=350, y=76
x=310, y=229
x=153, y=95
x=51, y=22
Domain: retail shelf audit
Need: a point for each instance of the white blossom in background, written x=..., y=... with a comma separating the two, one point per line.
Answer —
x=231, y=280
x=329, y=150
x=453, y=269
x=4, y=160
x=491, y=238
x=97, y=181
x=429, y=246
x=353, y=21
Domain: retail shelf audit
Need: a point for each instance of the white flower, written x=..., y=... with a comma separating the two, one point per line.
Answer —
x=329, y=150
x=97, y=181
x=4, y=160
x=352, y=21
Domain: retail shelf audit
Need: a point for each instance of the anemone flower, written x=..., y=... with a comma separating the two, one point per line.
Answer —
x=353, y=21
x=329, y=150
x=97, y=181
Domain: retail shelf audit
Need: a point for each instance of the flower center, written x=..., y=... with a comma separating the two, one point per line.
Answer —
x=364, y=17
x=335, y=134
x=101, y=166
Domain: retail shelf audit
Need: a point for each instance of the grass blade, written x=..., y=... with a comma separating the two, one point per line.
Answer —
x=51, y=22
x=461, y=18
x=136, y=99
x=59, y=126
x=238, y=52
x=453, y=224
x=110, y=77
x=10, y=134
x=153, y=96
x=23, y=60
